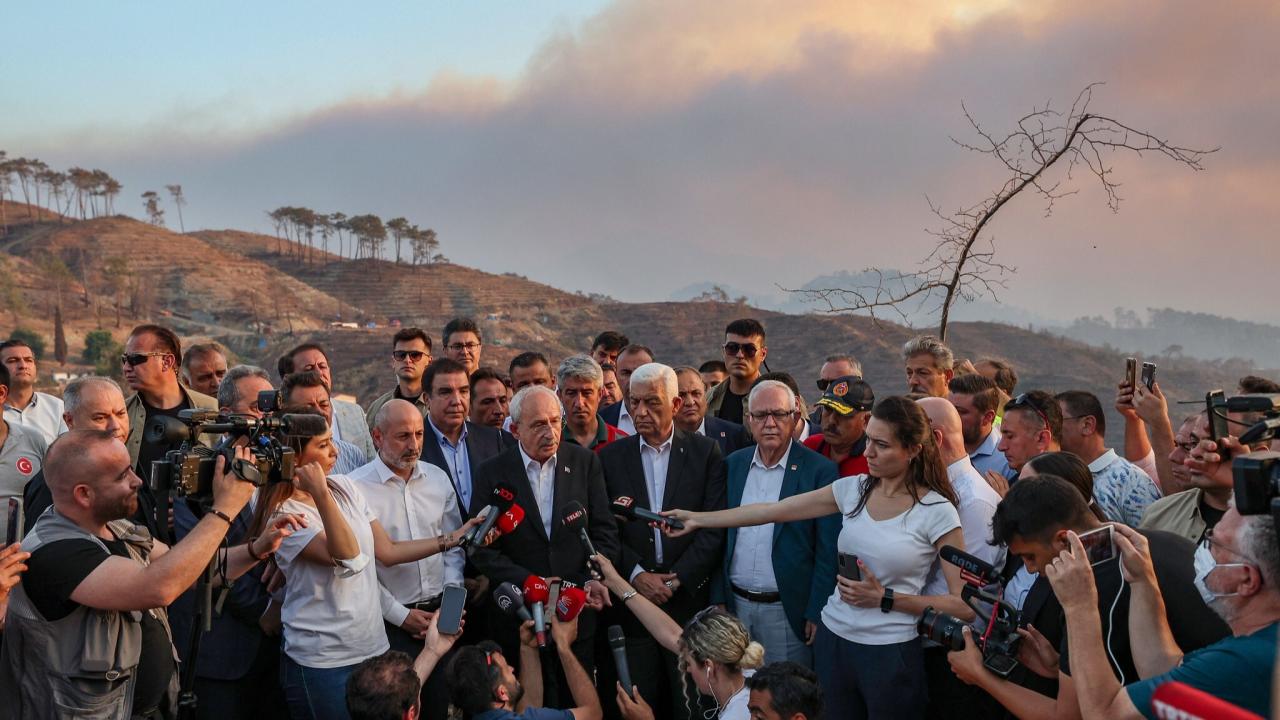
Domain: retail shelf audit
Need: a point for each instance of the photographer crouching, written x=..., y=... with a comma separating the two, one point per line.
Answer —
x=87, y=632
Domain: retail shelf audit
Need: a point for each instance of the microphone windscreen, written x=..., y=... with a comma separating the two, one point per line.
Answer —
x=509, y=520
x=623, y=506
x=575, y=516
x=503, y=496
x=304, y=425
x=571, y=602
x=535, y=589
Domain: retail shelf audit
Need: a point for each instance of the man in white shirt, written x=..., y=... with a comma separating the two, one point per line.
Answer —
x=413, y=500
x=1120, y=489
x=38, y=411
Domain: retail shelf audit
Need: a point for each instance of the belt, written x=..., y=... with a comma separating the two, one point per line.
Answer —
x=431, y=604
x=756, y=597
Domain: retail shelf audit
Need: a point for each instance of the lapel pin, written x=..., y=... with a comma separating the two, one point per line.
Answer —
x=793, y=467
x=567, y=470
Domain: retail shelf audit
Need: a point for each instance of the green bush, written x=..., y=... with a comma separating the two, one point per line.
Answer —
x=31, y=338
x=98, y=346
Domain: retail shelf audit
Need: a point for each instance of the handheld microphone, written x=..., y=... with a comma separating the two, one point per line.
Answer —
x=627, y=508
x=967, y=563
x=510, y=520
x=618, y=645
x=575, y=519
x=502, y=497
x=1177, y=701
x=511, y=601
x=303, y=425
x=570, y=604
x=535, y=595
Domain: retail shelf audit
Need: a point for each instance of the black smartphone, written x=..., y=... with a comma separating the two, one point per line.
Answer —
x=1100, y=544
x=553, y=597
x=1148, y=374
x=449, y=619
x=1131, y=372
x=847, y=566
x=13, y=531
x=1215, y=403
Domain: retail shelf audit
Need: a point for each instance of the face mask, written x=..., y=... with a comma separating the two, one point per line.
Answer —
x=1205, y=564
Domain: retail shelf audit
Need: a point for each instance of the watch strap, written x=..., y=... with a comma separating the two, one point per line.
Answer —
x=886, y=602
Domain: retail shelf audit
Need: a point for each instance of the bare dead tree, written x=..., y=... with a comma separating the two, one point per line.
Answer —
x=963, y=261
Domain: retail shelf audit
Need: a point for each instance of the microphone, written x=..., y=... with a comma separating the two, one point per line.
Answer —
x=627, y=508
x=575, y=519
x=500, y=500
x=509, y=520
x=303, y=425
x=511, y=601
x=535, y=595
x=983, y=571
x=618, y=645
x=1177, y=701
x=570, y=604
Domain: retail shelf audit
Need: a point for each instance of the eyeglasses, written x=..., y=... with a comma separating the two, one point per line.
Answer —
x=1208, y=539
x=459, y=347
x=1024, y=400
x=414, y=355
x=748, y=350
x=779, y=416
x=136, y=359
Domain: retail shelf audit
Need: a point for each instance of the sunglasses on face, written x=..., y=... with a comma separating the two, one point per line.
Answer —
x=748, y=350
x=414, y=355
x=136, y=359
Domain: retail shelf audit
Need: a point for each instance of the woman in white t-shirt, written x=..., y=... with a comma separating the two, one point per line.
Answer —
x=867, y=652
x=331, y=614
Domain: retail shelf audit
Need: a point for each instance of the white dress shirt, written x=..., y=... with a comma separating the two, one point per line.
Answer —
x=625, y=423
x=655, y=461
x=542, y=480
x=978, y=503
x=43, y=413
x=751, y=567
x=422, y=508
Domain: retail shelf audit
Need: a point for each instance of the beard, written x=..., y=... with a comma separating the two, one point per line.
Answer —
x=401, y=462
x=117, y=508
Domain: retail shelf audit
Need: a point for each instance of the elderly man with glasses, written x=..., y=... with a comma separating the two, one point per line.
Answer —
x=744, y=354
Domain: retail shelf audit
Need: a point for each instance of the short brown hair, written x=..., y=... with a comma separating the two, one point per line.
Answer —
x=166, y=338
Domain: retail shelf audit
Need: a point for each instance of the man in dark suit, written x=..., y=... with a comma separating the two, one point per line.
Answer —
x=660, y=468
x=629, y=359
x=693, y=417
x=547, y=476
x=776, y=578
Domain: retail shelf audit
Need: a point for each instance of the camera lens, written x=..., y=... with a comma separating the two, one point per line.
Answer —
x=946, y=630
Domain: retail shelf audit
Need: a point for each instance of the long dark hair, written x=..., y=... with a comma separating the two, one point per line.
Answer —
x=271, y=497
x=1071, y=468
x=926, y=472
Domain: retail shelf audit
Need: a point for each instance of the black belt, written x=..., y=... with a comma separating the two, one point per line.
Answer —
x=756, y=597
x=431, y=604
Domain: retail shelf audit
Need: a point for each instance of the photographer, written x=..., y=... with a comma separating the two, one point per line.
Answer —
x=1034, y=520
x=87, y=629
x=1236, y=573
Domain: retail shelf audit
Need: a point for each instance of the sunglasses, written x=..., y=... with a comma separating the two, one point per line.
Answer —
x=748, y=350
x=414, y=355
x=136, y=359
x=1024, y=400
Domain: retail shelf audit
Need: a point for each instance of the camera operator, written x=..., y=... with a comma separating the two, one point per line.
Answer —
x=1035, y=520
x=88, y=632
x=1236, y=573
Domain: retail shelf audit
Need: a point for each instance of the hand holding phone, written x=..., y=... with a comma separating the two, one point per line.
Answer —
x=449, y=616
x=1131, y=372
x=14, y=530
x=1215, y=404
x=1099, y=544
x=1149, y=375
x=847, y=566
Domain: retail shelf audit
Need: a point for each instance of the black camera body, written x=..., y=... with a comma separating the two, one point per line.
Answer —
x=995, y=630
x=1256, y=475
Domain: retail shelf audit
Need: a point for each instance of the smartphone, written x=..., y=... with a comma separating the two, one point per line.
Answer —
x=1131, y=372
x=1148, y=374
x=1215, y=403
x=449, y=619
x=553, y=597
x=14, y=532
x=847, y=566
x=1100, y=544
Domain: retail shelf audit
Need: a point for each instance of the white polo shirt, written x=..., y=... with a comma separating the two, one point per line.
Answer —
x=43, y=413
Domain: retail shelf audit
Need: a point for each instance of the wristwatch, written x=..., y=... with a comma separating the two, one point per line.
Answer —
x=886, y=602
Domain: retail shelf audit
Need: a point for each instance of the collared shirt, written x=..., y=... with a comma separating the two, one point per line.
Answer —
x=854, y=464
x=423, y=507
x=751, y=567
x=395, y=394
x=542, y=480
x=20, y=459
x=350, y=457
x=977, y=506
x=625, y=423
x=43, y=413
x=605, y=434
x=655, y=461
x=1120, y=489
x=1179, y=514
x=455, y=456
x=987, y=456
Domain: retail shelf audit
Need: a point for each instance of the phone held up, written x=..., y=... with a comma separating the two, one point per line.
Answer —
x=1099, y=544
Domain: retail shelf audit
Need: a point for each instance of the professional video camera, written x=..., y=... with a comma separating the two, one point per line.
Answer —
x=188, y=470
x=1257, y=474
x=996, y=628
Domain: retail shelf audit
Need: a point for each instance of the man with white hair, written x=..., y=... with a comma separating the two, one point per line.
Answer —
x=777, y=579
x=578, y=383
x=663, y=467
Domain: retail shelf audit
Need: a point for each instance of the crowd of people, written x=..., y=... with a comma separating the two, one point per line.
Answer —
x=613, y=537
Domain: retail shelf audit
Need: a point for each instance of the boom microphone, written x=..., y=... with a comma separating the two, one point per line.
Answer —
x=1177, y=701
x=627, y=508
x=575, y=519
x=535, y=595
x=570, y=604
x=303, y=425
x=502, y=497
x=618, y=645
x=511, y=601
x=969, y=564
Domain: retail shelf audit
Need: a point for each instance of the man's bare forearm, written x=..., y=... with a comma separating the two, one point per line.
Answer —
x=580, y=687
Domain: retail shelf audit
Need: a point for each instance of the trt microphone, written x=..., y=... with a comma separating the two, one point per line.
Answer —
x=618, y=645
x=627, y=508
x=502, y=498
x=1177, y=701
x=969, y=564
x=570, y=604
x=575, y=519
x=535, y=596
x=509, y=520
x=511, y=601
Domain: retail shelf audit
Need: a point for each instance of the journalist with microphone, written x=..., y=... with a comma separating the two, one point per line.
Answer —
x=561, y=489
x=87, y=631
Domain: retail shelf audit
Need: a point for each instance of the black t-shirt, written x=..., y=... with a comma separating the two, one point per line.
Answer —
x=1193, y=624
x=1211, y=515
x=731, y=407
x=57, y=569
x=150, y=451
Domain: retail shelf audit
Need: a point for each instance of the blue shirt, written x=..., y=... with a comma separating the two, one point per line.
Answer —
x=528, y=714
x=1121, y=489
x=1237, y=669
x=987, y=456
x=455, y=456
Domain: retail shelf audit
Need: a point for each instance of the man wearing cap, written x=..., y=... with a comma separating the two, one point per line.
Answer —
x=845, y=407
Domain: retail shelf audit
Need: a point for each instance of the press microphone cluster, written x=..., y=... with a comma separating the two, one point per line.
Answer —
x=626, y=507
x=572, y=600
x=501, y=500
x=535, y=596
x=575, y=519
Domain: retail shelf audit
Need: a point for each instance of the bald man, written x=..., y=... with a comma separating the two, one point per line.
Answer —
x=948, y=696
x=413, y=500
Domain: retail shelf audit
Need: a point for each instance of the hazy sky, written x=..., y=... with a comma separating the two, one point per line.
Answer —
x=632, y=148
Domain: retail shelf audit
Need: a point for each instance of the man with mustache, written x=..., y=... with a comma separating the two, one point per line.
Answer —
x=845, y=407
x=413, y=500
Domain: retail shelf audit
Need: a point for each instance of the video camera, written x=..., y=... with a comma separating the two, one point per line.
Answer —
x=995, y=630
x=1257, y=474
x=188, y=470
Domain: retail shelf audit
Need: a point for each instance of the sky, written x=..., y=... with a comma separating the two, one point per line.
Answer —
x=633, y=148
